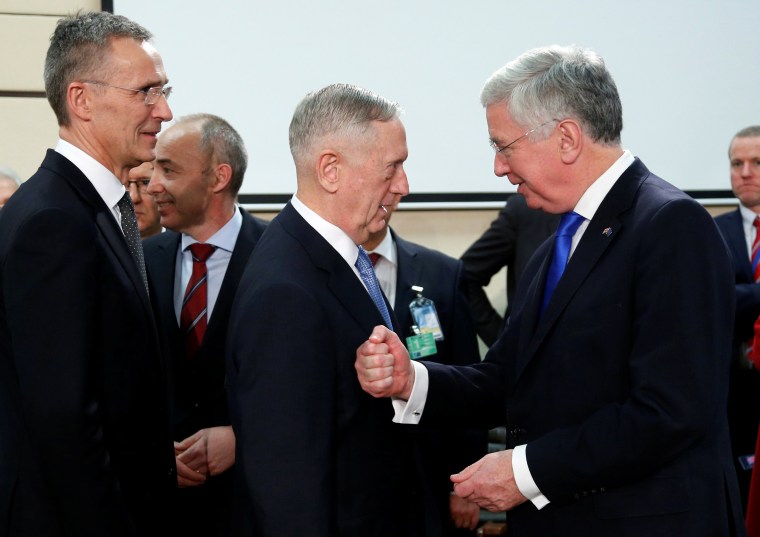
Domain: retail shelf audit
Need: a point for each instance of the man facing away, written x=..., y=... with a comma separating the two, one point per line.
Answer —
x=200, y=165
x=317, y=456
x=85, y=447
x=612, y=374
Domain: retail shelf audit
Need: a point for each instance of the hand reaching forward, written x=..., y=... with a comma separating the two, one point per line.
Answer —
x=490, y=483
x=383, y=365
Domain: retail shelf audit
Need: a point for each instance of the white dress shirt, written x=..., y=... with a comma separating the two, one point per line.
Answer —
x=216, y=264
x=107, y=185
x=386, y=267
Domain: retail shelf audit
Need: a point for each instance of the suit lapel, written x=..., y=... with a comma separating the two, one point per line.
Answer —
x=104, y=219
x=250, y=231
x=603, y=229
x=408, y=274
x=737, y=243
x=341, y=279
x=161, y=274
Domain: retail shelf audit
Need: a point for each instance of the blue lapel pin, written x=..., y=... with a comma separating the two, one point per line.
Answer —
x=607, y=231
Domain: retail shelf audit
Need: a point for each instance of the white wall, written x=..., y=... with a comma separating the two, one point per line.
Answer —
x=686, y=72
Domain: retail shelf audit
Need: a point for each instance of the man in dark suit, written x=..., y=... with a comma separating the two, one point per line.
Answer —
x=510, y=241
x=318, y=456
x=200, y=164
x=740, y=233
x=85, y=446
x=612, y=374
x=401, y=265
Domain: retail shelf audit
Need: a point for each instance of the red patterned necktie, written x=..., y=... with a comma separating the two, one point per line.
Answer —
x=192, y=319
x=754, y=259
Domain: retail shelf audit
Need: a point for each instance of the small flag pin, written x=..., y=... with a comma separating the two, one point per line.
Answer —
x=607, y=231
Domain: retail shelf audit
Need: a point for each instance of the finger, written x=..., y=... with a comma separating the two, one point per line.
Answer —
x=467, y=473
x=189, y=441
x=379, y=334
x=187, y=473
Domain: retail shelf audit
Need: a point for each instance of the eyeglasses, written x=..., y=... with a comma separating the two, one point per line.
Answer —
x=502, y=150
x=142, y=185
x=152, y=95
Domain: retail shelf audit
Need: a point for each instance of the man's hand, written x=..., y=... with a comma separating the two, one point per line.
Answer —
x=207, y=452
x=490, y=483
x=383, y=365
x=464, y=514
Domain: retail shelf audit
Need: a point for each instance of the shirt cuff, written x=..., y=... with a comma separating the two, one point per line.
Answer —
x=524, y=479
x=410, y=411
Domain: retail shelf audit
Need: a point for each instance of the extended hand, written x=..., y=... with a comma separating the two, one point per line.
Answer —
x=383, y=365
x=490, y=483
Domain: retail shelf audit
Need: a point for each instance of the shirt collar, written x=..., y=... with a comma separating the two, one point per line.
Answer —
x=595, y=194
x=386, y=249
x=225, y=238
x=748, y=215
x=107, y=185
x=336, y=237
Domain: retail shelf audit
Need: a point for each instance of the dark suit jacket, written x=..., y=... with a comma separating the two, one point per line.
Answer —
x=744, y=395
x=85, y=445
x=199, y=399
x=318, y=456
x=619, y=390
x=509, y=242
x=443, y=452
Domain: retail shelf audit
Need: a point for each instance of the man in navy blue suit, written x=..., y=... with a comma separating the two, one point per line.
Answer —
x=740, y=233
x=317, y=456
x=200, y=164
x=85, y=447
x=402, y=266
x=613, y=383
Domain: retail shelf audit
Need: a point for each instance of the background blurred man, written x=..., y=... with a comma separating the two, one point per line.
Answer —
x=145, y=207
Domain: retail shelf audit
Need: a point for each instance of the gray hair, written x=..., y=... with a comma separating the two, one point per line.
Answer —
x=554, y=83
x=6, y=171
x=752, y=131
x=341, y=109
x=222, y=144
x=79, y=49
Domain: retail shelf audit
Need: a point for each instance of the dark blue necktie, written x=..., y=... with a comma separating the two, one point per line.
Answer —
x=367, y=273
x=568, y=225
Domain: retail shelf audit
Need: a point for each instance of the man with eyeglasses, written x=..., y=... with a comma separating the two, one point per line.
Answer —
x=146, y=211
x=85, y=446
x=611, y=376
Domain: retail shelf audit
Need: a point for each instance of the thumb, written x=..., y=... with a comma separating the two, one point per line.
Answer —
x=467, y=473
x=379, y=334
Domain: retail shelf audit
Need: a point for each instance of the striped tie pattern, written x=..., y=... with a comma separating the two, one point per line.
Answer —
x=752, y=357
x=367, y=273
x=755, y=257
x=192, y=320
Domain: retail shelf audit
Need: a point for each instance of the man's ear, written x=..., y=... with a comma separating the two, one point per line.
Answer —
x=79, y=100
x=328, y=170
x=222, y=177
x=570, y=140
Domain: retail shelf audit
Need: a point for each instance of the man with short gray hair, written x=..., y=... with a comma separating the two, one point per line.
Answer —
x=612, y=374
x=316, y=455
x=85, y=447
